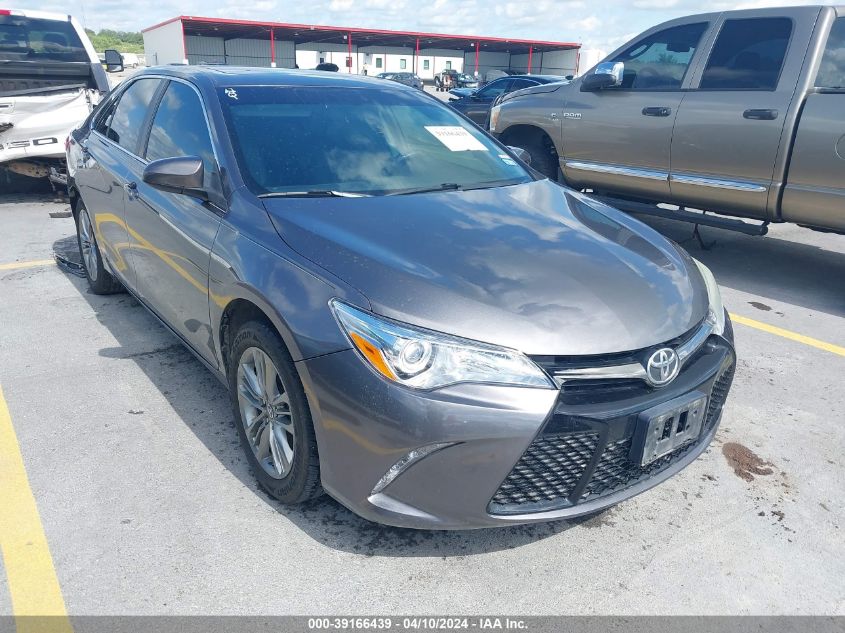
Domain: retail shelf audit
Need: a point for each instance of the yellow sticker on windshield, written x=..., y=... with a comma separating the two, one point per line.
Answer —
x=456, y=138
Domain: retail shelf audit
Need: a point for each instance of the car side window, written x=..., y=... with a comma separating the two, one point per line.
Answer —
x=132, y=108
x=179, y=129
x=661, y=60
x=832, y=69
x=493, y=90
x=519, y=84
x=104, y=117
x=748, y=55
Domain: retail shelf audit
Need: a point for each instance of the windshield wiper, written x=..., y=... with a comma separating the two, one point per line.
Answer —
x=446, y=186
x=324, y=193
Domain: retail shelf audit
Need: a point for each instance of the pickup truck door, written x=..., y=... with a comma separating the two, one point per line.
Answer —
x=815, y=186
x=732, y=121
x=619, y=138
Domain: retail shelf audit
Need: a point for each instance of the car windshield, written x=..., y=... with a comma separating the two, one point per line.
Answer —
x=367, y=141
x=35, y=39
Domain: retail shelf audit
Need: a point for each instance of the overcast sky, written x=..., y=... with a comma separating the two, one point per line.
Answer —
x=601, y=24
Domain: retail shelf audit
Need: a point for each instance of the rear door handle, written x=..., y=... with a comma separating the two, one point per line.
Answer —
x=131, y=190
x=760, y=115
x=657, y=111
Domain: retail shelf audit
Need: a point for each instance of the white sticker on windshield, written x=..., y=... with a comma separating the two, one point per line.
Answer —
x=456, y=138
x=507, y=160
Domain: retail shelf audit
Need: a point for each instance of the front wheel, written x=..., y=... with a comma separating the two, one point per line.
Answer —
x=274, y=421
x=542, y=158
x=100, y=280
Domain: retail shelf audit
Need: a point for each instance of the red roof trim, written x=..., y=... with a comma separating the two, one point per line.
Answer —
x=345, y=29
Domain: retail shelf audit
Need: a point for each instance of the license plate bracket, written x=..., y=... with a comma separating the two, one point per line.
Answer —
x=662, y=429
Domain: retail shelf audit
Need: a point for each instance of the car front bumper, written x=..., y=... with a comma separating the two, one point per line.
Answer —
x=570, y=454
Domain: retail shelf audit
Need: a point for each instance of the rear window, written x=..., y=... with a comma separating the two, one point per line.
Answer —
x=355, y=140
x=748, y=55
x=832, y=69
x=34, y=39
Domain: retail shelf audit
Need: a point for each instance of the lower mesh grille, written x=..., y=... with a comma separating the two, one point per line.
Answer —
x=549, y=470
x=552, y=467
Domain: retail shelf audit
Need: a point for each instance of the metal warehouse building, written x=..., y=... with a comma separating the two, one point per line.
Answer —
x=198, y=40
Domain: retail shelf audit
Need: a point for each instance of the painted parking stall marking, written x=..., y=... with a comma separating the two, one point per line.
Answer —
x=33, y=584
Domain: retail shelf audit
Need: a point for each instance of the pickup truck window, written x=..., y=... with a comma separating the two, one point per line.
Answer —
x=34, y=39
x=660, y=61
x=748, y=55
x=832, y=69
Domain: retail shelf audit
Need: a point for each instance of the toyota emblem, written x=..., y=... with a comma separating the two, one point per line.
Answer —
x=662, y=367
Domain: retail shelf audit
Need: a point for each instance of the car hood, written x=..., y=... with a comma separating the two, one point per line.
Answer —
x=531, y=267
x=533, y=90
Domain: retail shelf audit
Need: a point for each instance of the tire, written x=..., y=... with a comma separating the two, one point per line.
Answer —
x=100, y=280
x=274, y=424
x=542, y=159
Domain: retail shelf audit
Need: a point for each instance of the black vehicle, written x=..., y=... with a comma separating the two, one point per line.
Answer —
x=476, y=104
x=328, y=67
x=408, y=79
x=450, y=78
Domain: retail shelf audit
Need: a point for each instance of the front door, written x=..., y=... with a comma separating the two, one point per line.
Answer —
x=731, y=123
x=619, y=138
x=171, y=234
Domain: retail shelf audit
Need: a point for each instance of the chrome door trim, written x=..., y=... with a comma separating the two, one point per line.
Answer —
x=618, y=170
x=717, y=183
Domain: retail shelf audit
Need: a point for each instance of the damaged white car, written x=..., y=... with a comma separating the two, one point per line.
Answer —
x=50, y=80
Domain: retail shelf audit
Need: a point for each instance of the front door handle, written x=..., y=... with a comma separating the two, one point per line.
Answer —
x=657, y=111
x=760, y=115
x=131, y=190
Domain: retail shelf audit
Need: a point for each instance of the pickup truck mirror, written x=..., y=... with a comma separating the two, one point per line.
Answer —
x=606, y=75
x=114, y=61
x=182, y=174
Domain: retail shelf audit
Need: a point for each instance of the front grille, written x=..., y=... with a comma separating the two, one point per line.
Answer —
x=549, y=470
x=559, y=467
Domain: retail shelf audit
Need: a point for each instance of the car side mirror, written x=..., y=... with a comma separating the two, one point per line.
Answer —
x=114, y=61
x=521, y=154
x=606, y=75
x=182, y=174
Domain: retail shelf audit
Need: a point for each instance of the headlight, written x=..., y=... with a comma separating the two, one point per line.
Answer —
x=424, y=359
x=716, y=315
x=494, y=116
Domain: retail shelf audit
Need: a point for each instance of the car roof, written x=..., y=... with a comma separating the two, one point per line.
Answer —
x=224, y=76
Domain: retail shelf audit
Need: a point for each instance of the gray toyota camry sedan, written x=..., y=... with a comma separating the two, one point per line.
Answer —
x=407, y=317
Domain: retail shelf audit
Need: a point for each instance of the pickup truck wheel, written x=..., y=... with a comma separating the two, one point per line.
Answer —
x=273, y=418
x=542, y=159
x=100, y=280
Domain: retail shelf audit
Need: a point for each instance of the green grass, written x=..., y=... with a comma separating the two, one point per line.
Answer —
x=122, y=41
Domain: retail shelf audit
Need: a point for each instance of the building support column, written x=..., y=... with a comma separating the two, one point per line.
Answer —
x=184, y=44
x=272, y=47
x=530, y=58
x=417, y=57
x=476, y=58
x=349, y=58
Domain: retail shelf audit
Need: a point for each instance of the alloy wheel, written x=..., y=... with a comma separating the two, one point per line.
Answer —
x=87, y=244
x=265, y=412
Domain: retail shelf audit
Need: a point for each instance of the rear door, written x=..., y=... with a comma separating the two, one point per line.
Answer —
x=815, y=187
x=171, y=234
x=731, y=122
x=110, y=153
x=618, y=139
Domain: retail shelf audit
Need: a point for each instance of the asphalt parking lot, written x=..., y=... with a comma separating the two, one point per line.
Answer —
x=147, y=505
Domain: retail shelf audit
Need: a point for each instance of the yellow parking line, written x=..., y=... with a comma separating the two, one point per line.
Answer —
x=793, y=336
x=30, y=264
x=33, y=585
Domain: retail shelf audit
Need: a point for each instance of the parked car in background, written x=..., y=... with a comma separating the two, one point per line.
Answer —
x=328, y=67
x=131, y=60
x=408, y=79
x=449, y=79
x=476, y=104
x=405, y=315
x=50, y=79
x=748, y=105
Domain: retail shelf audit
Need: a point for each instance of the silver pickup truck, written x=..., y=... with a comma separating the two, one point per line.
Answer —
x=741, y=113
